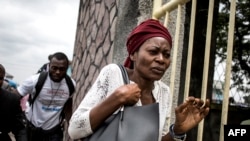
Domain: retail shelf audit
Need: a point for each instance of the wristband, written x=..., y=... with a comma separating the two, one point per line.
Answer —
x=179, y=137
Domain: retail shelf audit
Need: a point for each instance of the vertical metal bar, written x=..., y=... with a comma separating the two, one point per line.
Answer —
x=228, y=68
x=175, y=50
x=166, y=19
x=190, y=49
x=206, y=63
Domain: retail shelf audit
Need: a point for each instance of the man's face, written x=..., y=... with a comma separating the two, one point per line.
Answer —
x=57, y=69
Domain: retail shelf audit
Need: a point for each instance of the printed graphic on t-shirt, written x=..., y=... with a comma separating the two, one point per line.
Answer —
x=53, y=99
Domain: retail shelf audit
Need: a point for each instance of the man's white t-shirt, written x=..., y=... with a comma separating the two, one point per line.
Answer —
x=48, y=105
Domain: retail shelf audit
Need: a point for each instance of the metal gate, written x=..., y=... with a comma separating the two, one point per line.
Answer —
x=162, y=11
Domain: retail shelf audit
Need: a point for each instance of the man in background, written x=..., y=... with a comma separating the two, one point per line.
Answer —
x=44, y=115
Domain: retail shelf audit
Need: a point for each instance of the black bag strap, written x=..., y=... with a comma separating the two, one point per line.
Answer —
x=124, y=74
x=70, y=85
x=126, y=81
x=41, y=79
x=67, y=108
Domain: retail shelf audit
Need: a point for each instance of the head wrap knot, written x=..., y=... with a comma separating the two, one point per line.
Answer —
x=147, y=29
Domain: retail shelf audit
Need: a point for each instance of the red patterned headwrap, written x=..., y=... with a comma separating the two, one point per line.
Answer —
x=147, y=29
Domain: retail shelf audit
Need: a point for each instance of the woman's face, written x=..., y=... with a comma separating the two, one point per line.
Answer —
x=153, y=58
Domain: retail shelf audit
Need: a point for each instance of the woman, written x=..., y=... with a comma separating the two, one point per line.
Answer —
x=149, y=48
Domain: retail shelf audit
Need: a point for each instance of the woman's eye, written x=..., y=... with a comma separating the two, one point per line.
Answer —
x=167, y=55
x=153, y=51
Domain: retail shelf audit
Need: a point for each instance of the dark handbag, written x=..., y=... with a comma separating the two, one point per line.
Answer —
x=133, y=123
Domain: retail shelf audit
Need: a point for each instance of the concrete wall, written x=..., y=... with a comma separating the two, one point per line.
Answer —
x=94, y=42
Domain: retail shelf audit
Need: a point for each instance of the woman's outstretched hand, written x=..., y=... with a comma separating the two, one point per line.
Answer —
x=190, y=113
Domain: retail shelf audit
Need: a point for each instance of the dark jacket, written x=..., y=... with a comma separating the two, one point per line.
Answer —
x=12, y=116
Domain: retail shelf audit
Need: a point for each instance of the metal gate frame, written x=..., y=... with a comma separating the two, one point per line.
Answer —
x=163, y=11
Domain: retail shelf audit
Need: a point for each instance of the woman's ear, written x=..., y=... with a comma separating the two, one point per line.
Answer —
x=132, y=57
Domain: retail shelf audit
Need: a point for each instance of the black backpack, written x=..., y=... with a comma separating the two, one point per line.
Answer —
x=67, y=108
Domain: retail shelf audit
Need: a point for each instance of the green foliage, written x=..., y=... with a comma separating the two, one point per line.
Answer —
x=241, y=50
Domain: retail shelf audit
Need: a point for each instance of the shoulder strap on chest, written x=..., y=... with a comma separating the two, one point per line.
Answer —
x=70, y=85
x=67, y=108
x=41, y=79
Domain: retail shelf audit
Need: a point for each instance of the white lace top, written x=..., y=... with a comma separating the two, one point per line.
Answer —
x=108, y=80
